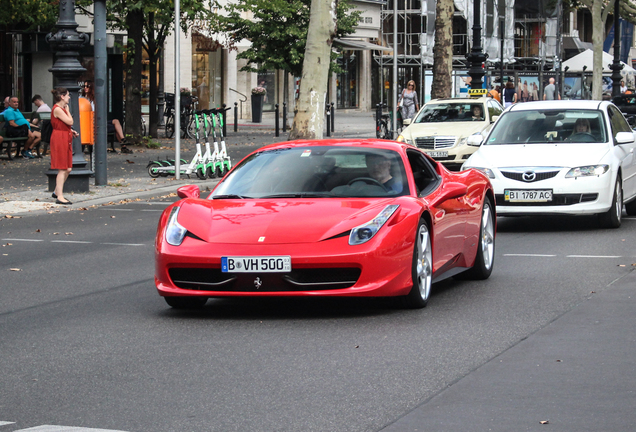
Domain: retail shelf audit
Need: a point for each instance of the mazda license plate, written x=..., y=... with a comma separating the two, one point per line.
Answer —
x=543, y=195
x=256, y=264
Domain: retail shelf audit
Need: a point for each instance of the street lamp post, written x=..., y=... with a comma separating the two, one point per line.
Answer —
x=66, y=70
x=476, y=56
x=616, y=65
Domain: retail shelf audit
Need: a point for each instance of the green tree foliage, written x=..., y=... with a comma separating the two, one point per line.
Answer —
x=31, y=15
x=277, y=30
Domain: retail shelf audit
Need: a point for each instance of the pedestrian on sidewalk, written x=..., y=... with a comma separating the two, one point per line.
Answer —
x=408, y=101
x=61, y=142
x=549, y=91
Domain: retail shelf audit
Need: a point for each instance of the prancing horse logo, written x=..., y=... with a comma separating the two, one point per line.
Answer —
x=258, y=283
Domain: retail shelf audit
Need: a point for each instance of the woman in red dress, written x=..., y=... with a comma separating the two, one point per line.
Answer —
x=61, y=139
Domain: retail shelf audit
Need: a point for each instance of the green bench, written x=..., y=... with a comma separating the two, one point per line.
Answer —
x=12, y=146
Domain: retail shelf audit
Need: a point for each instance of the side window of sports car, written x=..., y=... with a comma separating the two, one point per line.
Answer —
x=424, y=175
x=618, y=121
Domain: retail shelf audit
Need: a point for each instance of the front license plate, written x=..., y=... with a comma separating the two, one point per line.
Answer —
x=528, y=195
x=438, y=154
x=260, y=264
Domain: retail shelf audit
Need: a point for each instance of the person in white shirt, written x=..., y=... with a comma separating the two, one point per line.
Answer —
x=623, y=87
x=39, y=103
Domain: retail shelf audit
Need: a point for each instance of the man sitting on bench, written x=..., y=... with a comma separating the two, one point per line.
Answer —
x=17, y=126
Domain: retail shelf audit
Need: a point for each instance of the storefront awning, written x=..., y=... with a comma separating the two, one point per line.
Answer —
x=352, y=44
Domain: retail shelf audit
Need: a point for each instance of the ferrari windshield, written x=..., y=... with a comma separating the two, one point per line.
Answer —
x=319, y=171
x=547, y=126
x=451, y=112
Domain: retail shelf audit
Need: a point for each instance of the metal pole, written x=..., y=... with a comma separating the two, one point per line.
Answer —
x=559, y=48
x=277, y=133
x=223, y=116
x=476, y=56
x=177, y=89
x=394, y=97
x=616, y=65
x=100, y=147
x=235, y=116
x=66, y=70
x=284, y=116
x=333, y=118
x=502, y=24
x=328, y=123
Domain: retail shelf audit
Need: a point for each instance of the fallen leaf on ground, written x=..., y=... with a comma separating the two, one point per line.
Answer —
x=544, y=422
x=15, y=269
x=68, y=233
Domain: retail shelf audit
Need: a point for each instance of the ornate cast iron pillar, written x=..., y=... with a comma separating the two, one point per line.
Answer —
x=477, y=58
x=616, y=65
x=66, y=70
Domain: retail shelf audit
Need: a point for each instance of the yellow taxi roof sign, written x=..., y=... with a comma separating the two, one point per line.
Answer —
x=477, y=92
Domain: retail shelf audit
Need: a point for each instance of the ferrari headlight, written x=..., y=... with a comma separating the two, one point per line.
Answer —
x=363, y=233
x=174, y=231
x=587, y=171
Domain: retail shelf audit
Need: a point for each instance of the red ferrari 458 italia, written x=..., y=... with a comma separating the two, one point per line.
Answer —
x=327, y=218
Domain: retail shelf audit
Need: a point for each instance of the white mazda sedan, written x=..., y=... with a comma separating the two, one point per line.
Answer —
x=560, y=157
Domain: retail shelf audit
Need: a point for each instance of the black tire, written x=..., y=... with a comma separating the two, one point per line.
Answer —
x=186, y=302
x=218, y=170
x=630, y=208
x=191, y=130
x=201, y=173
x=485, y=258
x=612, y=218
x=151, y=167
x=421, y=270
x=211, y=173
x=169, y=128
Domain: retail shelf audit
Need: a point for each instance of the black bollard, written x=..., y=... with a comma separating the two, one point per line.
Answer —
x=378, y=116
x=235, y=116
x=333, y=118
x=276, y=119
x=284, y=116
x=224, y=118
x=328, y=123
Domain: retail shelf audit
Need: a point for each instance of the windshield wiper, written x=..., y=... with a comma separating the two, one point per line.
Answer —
x=299, y=195
x=230, y=196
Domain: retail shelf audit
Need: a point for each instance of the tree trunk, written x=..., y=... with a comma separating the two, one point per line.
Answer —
x=153, y=56
x=598, y=34
x=134, y=18
x=443, y=50
x=310, y=112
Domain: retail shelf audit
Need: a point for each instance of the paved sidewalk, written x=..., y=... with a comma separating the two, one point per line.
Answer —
x=25, y=185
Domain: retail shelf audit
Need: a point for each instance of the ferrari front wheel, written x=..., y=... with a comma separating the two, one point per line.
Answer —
x=422, y=269
x=485, y=257
x=186, y=302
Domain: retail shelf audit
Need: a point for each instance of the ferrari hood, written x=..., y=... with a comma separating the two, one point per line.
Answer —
x=554, y=155
x=254, y=221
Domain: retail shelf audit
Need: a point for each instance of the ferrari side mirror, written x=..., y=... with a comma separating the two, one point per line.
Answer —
x=189, y=191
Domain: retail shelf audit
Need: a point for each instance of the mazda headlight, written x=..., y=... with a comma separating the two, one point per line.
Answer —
x=587, y=171
x=489, y=173
x=364, y=233
x=174, y=231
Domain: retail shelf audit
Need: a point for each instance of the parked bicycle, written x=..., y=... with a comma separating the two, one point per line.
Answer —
x=189, y=105
x=384, y=125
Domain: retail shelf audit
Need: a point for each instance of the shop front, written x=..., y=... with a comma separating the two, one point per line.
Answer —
x=207, y=71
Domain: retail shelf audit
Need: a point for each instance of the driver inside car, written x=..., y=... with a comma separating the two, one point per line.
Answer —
x=379, y=168
x=581, y=126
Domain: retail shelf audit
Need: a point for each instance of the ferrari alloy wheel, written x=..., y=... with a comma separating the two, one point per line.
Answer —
x=485, y=249
x=422, y=271
x=186, y=302
x=612, y=218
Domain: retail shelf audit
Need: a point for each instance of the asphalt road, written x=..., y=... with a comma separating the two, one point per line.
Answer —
x=86, y=342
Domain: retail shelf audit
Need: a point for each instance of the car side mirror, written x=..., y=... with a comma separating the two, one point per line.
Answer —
x=493, y=119
x=449, y=191
x=474, y=140
x=189, y=191
x=624, y=138
x=406, y=122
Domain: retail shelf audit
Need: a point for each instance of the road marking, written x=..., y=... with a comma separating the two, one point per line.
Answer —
x=74, y=241
x=152, y=210
x=27, y=240
x=593, y=256
x=2, y=423
x=115, y=209
x=71, y=241
x=124, y=244
x=528, y=255
x=53, y=428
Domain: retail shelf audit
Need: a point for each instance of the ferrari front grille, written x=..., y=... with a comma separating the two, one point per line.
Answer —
x=314, y=279
x=435, y=142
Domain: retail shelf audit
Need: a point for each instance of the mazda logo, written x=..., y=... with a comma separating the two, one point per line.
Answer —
x=529, y=176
